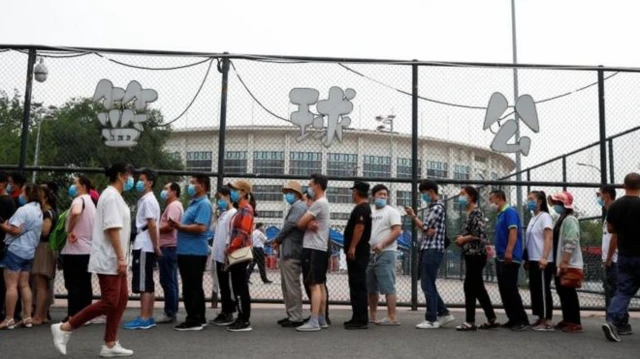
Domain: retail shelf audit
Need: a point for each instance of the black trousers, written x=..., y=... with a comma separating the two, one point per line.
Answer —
x=569, y=303
x=191, y=271
x=540, y=289
x=508, y=285
x=474, y=288
x=224, y=285
x=258, y=258
x=357, y=271
x=77, y=280
x=307, y=291
x=240, y=284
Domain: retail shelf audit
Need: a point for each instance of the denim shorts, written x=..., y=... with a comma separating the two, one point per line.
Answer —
x=16, y=264
x=381, y=273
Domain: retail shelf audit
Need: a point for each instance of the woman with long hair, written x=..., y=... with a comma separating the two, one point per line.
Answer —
x=23, y=231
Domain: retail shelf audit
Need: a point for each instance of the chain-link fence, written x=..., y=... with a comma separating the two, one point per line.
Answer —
x=271, y=120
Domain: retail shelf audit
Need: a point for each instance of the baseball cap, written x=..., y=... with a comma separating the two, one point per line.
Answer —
x=361, y=186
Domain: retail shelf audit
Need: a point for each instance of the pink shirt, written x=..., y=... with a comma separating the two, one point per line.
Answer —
x=174, y=211
x=83, y=228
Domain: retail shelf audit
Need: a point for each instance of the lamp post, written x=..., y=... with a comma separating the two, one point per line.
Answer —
x=590, y=166
x=36, y=156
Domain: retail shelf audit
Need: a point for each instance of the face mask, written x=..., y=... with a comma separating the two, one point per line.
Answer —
x=235, y=196
x=600, y=202
x=21, y=200
x=222, y=205
x=531, y=206
x=191, y=190
x=558, y=208
x=164, y=195
x=128, y=185
x=380, y=202
x=426, y=198
x=290, y=198
x=73, y=191
x=140, y=186
x=311, y=193
x=9, y=189
x=463, y=201
x=494, y=207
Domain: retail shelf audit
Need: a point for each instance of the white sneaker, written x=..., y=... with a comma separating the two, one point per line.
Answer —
x=308, y=327
x=428, y=325
x=446, y=319
x=60, y=338
x=115, y=351
x=99, y=320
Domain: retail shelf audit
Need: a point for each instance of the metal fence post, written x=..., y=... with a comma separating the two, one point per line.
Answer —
x=528, y=185
x=414, y=185
x=611, y=164
x=26, y=119
x=603, y=128
x=224, y=69
x=564, y=173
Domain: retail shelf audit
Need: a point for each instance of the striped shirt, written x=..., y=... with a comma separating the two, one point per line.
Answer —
x=436, y=219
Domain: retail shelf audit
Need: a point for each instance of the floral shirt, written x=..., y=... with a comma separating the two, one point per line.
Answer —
x=475, y=227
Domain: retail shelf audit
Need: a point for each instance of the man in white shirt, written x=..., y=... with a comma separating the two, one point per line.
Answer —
x=146, y=248
x=259, y=240
x=381, y=272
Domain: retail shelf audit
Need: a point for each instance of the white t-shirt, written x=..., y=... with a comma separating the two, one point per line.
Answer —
x=535, y=236
x=318, y=240
x=381, y=222
x=606, y=240
x=259, y=239
x=223, y=231
x=148, y=208
x=111, y=212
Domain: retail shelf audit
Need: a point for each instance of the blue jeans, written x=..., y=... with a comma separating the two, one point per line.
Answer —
x=168, y=265
x=431, y=260
x=628, y=286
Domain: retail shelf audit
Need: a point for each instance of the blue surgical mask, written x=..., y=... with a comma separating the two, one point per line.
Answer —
x=164, y=195
x=222, y=205
x=73, y=191
x=128, y=186
x=600, y=202
x=463, y=201
x=311, y=193
x=191, y=190
x=139, y=186
x=380, y=202
x=21, y=200
x=531, y=206
x=9, y=189
x=558, y=208
x=290, y=198
x=235, y=196
x=426, y=198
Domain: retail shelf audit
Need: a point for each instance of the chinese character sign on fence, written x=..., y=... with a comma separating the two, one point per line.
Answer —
x=525, y=109
x=330, y=118
x=125, y=111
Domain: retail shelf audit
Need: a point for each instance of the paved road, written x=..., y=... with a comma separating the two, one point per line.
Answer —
x=269, y=341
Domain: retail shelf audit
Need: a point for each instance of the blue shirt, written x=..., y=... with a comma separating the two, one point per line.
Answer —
x=198, y=212
x=508, y=218
x=29, y=217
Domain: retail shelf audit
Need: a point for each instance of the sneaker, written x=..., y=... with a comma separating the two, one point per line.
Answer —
x=537, y=323
x=507, y=325
x=188, y=327
x=281, y=321
x=166, y=320
x=240, y=326
x=290, y=324
x=355, y=326
x=134, y=324
x=60, y=338
x=446, y=319
x=147, y=324
x=561, y=325
x=544, y=328
x=99, y=320
x=573, y=328
x=610, y=332
x=116, y=351
x=520, y=327
x=204, y=323
x=222, y=320
x=625, y=330
x=308, y=327
x=428, y=325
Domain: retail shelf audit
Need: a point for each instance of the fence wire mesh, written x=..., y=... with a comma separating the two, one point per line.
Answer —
x=76, y=127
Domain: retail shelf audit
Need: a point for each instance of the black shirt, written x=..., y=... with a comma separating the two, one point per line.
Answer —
x=624, y=216
x=7, y=209
x=361, y=214
x=52, y=215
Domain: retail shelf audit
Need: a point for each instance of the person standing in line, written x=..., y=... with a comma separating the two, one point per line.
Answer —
x=474, y=242
x=566, y=238
x=220, y=242
x=288, y=243
x=146, y=250
x=23, y=231
x=259, y=239
x=622, y=220
x=432, y=248
x=509, y=254
x=539, y=246
x=7, y=209
x=241, y=238
x=16, y=181
x=77, y=249
x=315, y=254
x=109, y=252
x=381, y=272
x=357, y=235
x=606, y=198
x=168, y=262
x=192, y=250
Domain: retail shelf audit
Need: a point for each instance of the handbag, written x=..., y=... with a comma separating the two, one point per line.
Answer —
x=244, y=254
x=572, y=278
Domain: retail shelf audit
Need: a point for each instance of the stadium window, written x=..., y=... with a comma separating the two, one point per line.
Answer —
x=235, y=162
x=377, y=166
x=342, y=165
x=267, y=193
x=305, y=163
x=437, y=169
x=268, y=162
x=404, y=168
x=199, y=161
x=461, y=172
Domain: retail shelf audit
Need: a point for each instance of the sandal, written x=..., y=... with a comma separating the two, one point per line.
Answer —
x=386, y=322
x=8, y=324
x=489, y=325
x=466, y=327
x=26, y=322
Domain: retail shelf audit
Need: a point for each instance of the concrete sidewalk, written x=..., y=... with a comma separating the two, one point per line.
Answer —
x=268, y=340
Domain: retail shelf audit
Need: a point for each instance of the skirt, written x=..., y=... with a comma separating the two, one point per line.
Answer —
x=44, y=262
